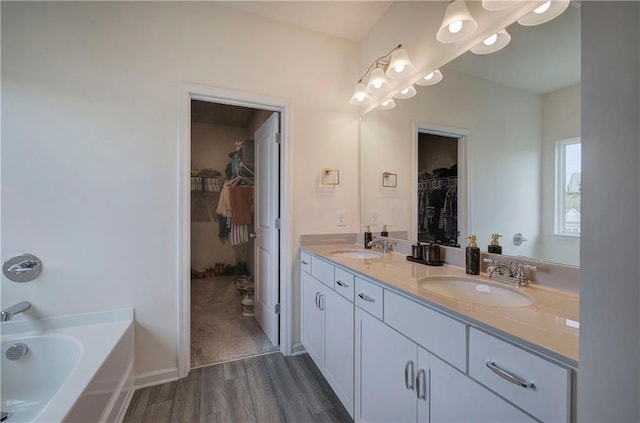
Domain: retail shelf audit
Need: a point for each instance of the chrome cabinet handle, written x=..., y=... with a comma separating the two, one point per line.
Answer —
x=508, y=376
x=408, y=379
x=366, y=298
x=317, y=300
x=322, y=302
x=421, y=393
x=342, y=284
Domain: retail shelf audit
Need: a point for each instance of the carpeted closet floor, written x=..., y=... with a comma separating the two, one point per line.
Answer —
x=218, y=331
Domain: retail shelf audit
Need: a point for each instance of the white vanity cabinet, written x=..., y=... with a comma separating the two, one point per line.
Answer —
x=327, y=327
x=393, y=358
x=386, y=374
x=398, y=380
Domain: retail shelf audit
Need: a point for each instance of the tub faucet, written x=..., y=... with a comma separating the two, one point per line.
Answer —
x=8, y=313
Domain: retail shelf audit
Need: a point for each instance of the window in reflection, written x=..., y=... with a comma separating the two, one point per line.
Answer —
x=568, y=177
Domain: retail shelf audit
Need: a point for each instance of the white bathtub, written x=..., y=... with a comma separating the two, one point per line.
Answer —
x=78, y=369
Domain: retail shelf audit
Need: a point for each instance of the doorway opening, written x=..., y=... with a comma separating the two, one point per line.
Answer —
x=271, y=218
x=223, y=266
x=441, y=214
x=437, y=189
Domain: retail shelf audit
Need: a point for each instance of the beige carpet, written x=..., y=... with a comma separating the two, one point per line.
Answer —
x=218, y=330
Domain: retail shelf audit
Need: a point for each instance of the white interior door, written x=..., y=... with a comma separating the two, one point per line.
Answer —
x=267, y=196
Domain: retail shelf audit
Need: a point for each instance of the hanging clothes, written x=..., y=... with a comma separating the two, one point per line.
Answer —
x=241, y=199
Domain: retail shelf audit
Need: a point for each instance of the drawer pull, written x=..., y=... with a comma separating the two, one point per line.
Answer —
x=408, y=379
x=421, y=382
x=508, y=376
x=317, y=299
x=304, y=262
x=342, y=284
x=366, y=298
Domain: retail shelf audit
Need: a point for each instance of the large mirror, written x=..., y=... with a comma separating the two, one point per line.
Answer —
x=510, y=113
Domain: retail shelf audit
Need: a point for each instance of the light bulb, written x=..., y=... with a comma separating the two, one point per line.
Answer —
x=399, y=68
x=360, y=97
x=385, y=103
x=490, y=40
x=429, y=76
x=541, y=9
x=405, y=91
x=455, y=27
x=377, y=84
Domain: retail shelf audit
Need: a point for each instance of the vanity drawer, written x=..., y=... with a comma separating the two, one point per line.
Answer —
x=369, y=297
x=322, y=270
x=436, y=332
x=546, y=391
x=344, y=283
x=305, y=262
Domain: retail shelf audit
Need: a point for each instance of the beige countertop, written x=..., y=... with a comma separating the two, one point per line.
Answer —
x=548, y=325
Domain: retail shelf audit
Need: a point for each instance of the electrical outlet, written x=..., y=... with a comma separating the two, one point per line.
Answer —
x=374, y=217
x=341, y=218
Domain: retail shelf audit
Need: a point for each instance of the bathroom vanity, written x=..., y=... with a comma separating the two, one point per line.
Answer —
x=395, y=348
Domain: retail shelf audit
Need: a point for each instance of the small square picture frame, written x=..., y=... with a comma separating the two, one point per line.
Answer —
x=389, y=180
x=330, y=176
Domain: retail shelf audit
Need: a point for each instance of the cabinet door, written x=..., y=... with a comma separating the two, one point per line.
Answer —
x=456, y=398
x=385, y=373
x=338, y=348
x=313, y=318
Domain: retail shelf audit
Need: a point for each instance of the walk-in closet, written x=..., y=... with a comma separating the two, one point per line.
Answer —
x=437, y=189
x=223, y=183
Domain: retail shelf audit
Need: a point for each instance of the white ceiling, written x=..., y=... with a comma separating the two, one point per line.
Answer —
x=350, y=20
x=539, y=59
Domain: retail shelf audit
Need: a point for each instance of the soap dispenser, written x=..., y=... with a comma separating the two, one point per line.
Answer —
x=472, y=263
x=367, y=236
x=495, y=247
x=384, y=232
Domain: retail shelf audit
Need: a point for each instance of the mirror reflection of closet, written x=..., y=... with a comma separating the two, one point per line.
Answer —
x=437, y=189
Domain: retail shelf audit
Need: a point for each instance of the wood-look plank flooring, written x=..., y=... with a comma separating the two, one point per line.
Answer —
x=262, y=389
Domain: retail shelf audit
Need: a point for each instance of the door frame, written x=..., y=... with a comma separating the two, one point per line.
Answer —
x=190, y=91
x=464, y=175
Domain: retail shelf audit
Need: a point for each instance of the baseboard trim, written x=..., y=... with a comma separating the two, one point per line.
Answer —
x=298, y=349
x=156, y=378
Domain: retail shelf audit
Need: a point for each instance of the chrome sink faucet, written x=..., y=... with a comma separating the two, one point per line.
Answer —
x=383, y=244
x=504, y=273
x=8, y=313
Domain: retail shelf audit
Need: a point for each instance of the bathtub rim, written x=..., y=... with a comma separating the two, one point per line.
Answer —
x=86, y=326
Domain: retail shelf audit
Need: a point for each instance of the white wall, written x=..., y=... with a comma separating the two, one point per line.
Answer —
x=503, y=150
x=609, y=375
x=90, y=145
x=560, y=121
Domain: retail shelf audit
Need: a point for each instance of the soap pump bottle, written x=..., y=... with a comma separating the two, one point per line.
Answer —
x=495, y=247
x=384, y=232
x=472, y=263
x=367, y=236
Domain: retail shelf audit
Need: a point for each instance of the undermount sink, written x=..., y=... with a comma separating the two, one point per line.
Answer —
x=356, y=254
x=475, y=291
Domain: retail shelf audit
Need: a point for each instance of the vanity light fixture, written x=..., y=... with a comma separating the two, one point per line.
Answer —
x=431, y=78
x=360, y=95
x=395, y=64
x=399, y=64
x=493, y=43
x=408, y=92
x=387, y=105
x=544, y=13
x=457, y=24
x=495, y=5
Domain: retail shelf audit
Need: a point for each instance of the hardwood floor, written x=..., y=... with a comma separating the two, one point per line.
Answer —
x=267, y=388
